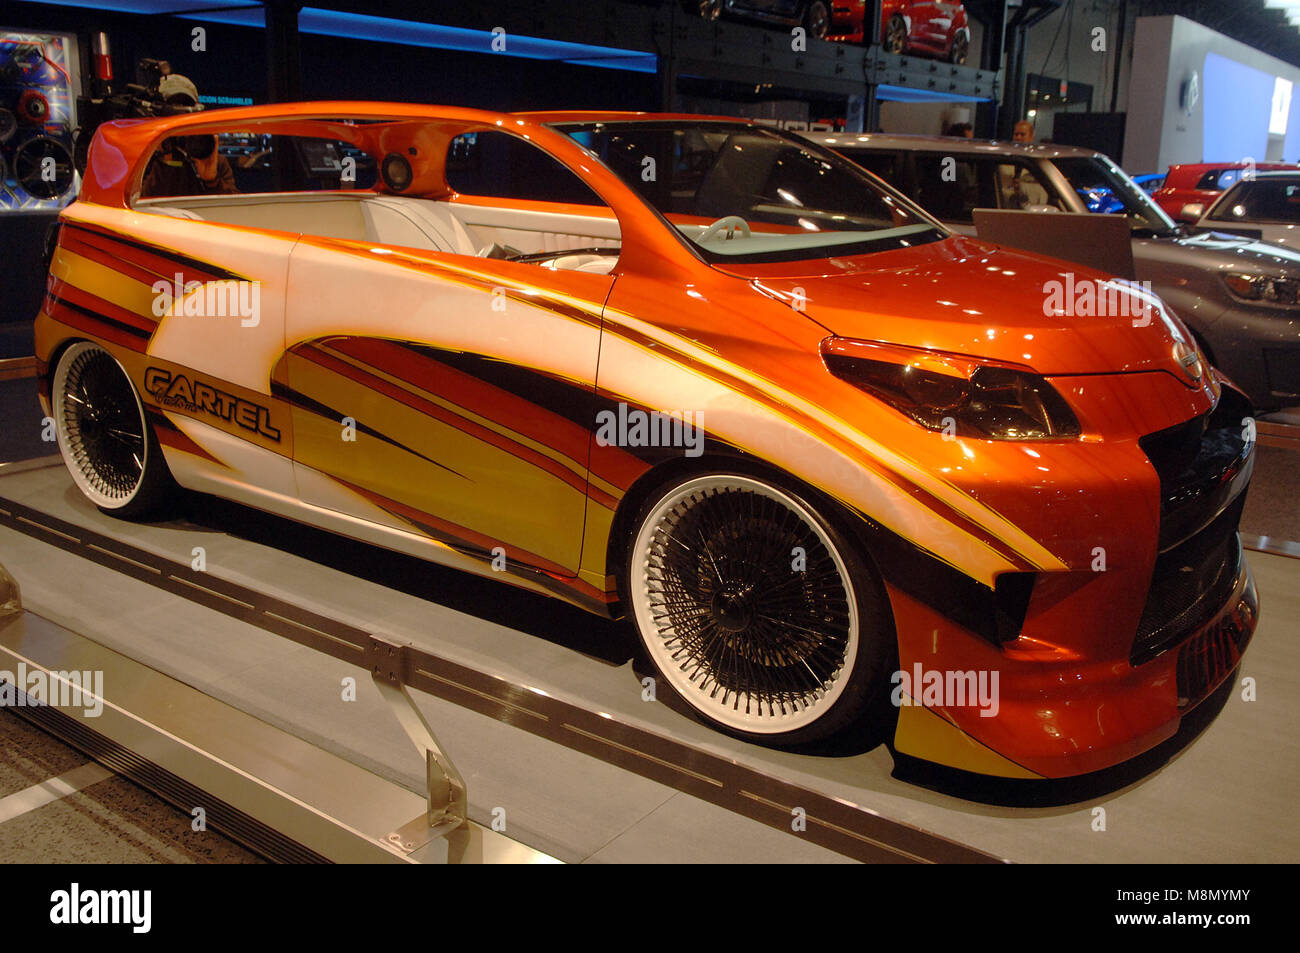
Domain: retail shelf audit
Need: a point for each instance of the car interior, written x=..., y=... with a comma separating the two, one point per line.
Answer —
x=488, y=173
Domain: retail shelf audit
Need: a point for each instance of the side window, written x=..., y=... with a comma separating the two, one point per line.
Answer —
x=1209, y=181
x=499, y=165
x=1019, y=186
x=243, y=162
x=949, y=186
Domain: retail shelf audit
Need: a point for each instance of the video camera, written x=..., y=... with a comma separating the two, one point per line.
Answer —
x=139, y=100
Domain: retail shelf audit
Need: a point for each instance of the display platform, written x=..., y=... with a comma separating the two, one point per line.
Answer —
x=541, y=707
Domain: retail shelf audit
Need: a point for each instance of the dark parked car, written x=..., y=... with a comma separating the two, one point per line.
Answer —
x=812, y=15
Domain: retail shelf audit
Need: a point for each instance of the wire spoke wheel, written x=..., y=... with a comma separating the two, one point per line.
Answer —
x=745, y=603
x=101, y=427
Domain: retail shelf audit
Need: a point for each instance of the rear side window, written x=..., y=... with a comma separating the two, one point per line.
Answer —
x=886, y=165
x=1218, y=179
x=244, y=162
x=499, y=165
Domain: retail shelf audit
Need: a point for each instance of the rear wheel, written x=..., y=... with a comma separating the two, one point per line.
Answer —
x=707, y=9
x=109, y=449
x=817, y=19
x=756, y=611
x=960, y=48
x=895, y=38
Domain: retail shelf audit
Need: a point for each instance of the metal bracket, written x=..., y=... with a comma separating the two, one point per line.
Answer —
x=390, y=669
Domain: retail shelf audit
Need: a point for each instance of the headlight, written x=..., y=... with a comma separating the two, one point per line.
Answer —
x=942, y=391
x=1264, y=288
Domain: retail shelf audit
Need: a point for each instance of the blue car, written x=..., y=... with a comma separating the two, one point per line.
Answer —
x=1102, y=200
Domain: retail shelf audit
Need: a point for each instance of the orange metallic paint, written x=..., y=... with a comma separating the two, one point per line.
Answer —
x=742, y=344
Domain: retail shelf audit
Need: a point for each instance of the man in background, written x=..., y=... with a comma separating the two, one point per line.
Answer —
x=186, y=165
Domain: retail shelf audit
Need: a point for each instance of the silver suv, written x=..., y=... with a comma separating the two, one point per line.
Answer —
x=1240, y=296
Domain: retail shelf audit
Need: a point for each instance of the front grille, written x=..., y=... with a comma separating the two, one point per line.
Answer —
x=1190, y=583
x=1204, y=466
x=1200, y=464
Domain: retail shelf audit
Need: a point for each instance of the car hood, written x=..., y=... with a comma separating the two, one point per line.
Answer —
x=968, y=297
x=1228, y=252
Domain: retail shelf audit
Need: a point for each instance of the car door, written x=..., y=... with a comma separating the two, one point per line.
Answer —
x=218, y=295
x=926, y=24
x=444, y=393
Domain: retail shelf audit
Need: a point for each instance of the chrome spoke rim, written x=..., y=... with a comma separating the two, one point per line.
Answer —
x=101, y=428
x=749, y=632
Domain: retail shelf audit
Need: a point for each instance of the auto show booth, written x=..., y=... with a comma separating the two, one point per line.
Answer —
x=673, y=432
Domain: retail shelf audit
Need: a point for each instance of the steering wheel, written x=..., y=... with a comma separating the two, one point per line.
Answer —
x=730, y=223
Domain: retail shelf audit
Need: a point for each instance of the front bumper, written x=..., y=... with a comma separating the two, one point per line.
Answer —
x=1071, y=720
x=1107, y=663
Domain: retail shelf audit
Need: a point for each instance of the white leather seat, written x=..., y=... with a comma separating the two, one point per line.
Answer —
x=399, y=220
x=591, y=264
x=416, y=223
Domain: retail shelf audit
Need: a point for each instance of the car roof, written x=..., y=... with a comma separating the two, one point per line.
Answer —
x=1272, y=174
x=1225, y=166
x=608, y=115
x=889, y=140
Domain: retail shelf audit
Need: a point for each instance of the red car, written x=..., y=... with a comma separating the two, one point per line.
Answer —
x=1192, y=188
x=936, y=27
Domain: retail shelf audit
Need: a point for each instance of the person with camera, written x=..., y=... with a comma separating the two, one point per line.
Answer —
x=186, y=165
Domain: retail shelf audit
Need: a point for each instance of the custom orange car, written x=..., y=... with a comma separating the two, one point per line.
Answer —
x=821, y=452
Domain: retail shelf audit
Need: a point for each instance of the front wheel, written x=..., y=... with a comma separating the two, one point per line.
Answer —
x=757, y=612
x=109, y=449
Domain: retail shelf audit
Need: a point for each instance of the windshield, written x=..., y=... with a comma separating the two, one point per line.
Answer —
x=1105, y=187
x=745, y=193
